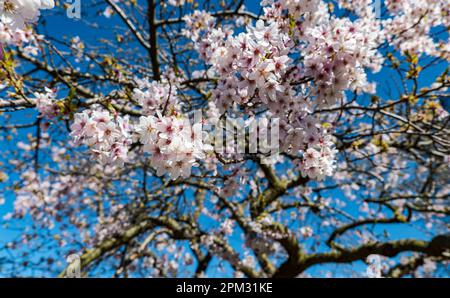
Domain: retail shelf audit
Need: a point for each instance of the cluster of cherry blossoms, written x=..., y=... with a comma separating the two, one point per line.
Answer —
x=176, y=2
x=18, y=37
x=409, y=25
x=41, y=198
x=319, y=161
x=336, y=57
x=153, y=96
x=197, y=23
x=46, y=103
x=117, y=220
x=410, y=28
x=362, y=8
x=108, y=136
x=252, y=65
x=15, y=15
x=174, y=145
x=299, y=58
x=18, y=13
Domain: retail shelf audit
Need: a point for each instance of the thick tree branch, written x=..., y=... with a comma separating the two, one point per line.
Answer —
x=436, y=247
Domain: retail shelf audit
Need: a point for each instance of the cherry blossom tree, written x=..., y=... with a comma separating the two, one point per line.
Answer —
x=187, y=138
